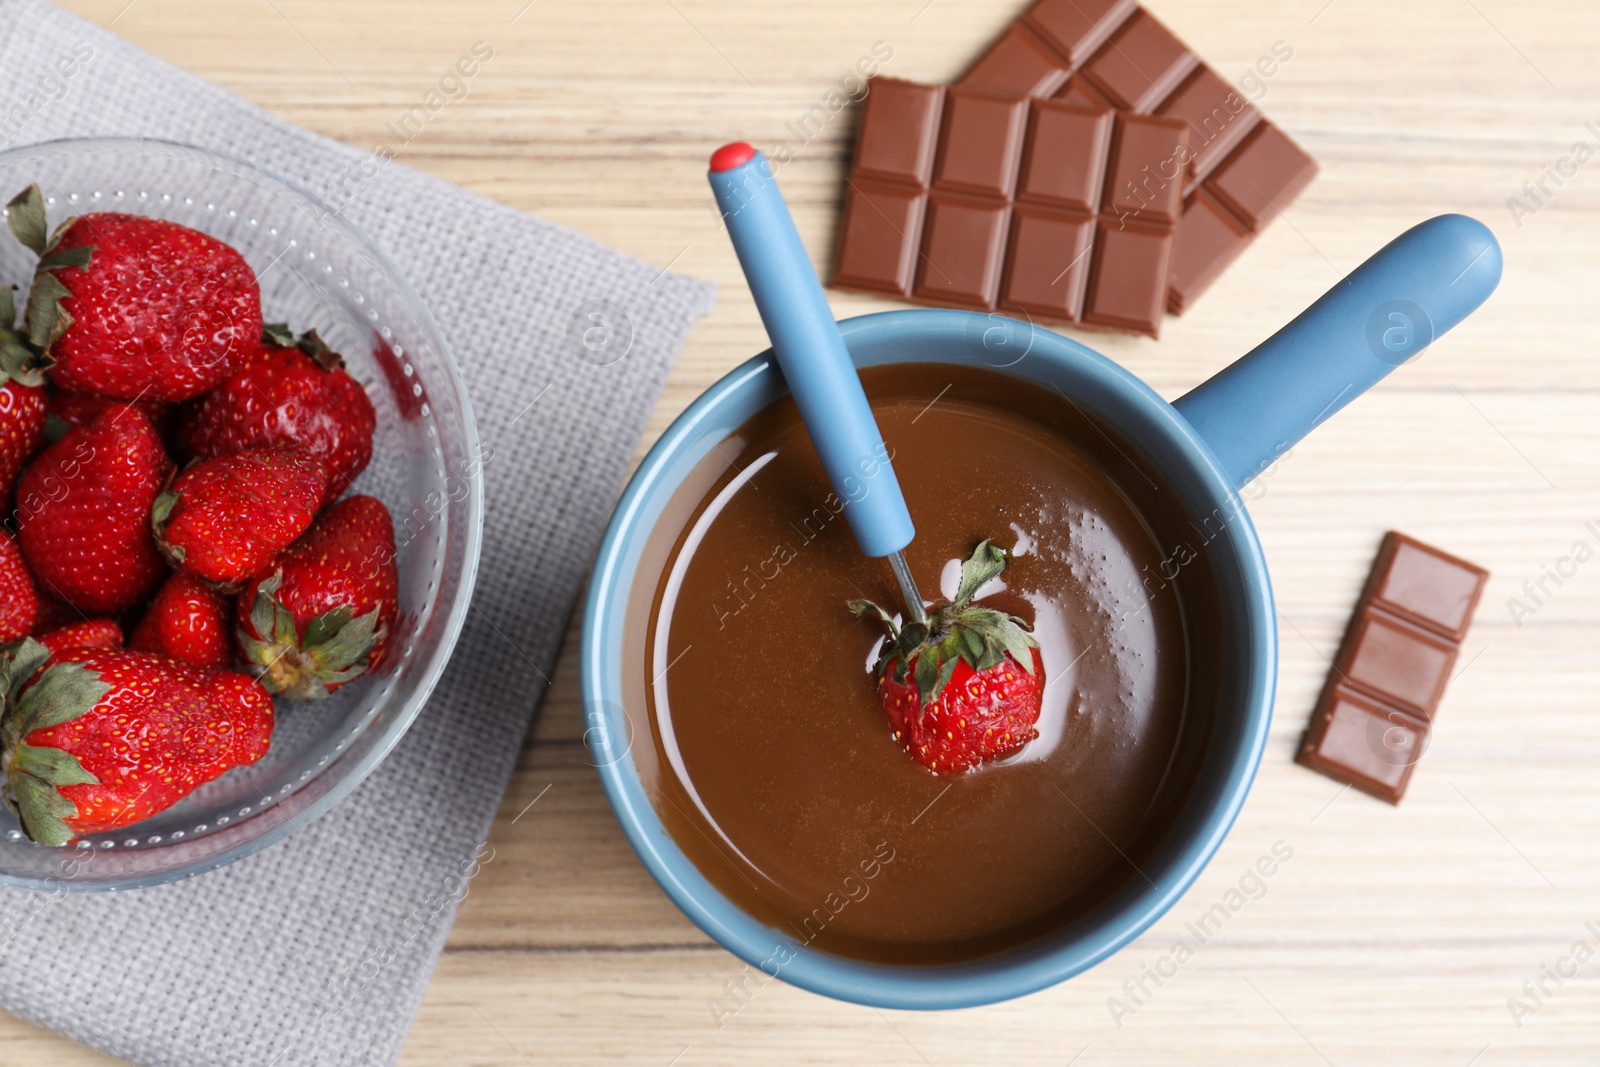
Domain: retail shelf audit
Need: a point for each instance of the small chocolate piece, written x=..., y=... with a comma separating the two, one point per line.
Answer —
x=896, y=142
x=1094, y=55
x=1141, y=64
x=1377, y=708
x=1076, y=29
x=1066, y=162
x=1047, y=268
x=1129, y=288
x=1262, y=176
x=1218, y=118
x=879, y=248
x=1019, y=64
x=980, y=143
x=1208, y=239
x=962, y=246
x=1147, y=177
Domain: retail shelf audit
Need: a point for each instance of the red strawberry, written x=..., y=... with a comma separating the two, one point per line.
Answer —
x=19, y=601
x=54, y=613
x=323, y=615
x=83, y=513
x=188, y=620
x=22, y=419
x=66, y=410
x=966, y=687
x=22, y=396
x=130, y=307
x=95, y=739
x=291, y=392
x=225, y=519
x=91, y=633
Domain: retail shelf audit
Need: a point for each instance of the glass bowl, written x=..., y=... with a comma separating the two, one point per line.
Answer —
x=315, y=270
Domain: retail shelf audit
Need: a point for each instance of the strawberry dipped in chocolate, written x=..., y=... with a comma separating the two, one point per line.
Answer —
x=967, y=685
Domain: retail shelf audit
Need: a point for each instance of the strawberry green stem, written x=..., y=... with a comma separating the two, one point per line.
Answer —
x=928, y=649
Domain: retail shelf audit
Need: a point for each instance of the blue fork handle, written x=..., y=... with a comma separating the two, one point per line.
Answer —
x=1386, y=312
x=810, y=350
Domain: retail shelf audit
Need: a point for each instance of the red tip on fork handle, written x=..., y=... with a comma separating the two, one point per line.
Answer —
x=732, y=155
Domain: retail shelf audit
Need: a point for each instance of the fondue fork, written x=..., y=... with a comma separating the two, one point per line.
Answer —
x=816, y=364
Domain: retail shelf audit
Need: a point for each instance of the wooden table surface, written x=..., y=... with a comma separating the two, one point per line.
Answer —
x=1391, y=935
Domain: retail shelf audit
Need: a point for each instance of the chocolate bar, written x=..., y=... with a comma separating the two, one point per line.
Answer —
x=976, y=199
x=1373, y=719
x=1114, y=53
x=1239, y=170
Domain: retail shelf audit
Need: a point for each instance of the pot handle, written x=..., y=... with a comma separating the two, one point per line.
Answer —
x=1384, y=314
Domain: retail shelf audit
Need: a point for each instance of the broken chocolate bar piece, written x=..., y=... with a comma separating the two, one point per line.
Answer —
x=1037, y=206
x=1241, y=170
x=1377, y=709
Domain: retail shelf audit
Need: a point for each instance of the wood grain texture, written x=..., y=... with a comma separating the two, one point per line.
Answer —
x=1391, y=936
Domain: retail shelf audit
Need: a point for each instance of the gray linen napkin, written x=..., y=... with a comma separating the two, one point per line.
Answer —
x=246, y=965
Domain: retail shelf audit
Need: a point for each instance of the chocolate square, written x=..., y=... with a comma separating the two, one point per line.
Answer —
x=1128, y=287
x=980, y=143
x=1147, y=176
x=883, y=224
x=1047, y=265
x=962, y=245
x=1265, y=173
x=1207, y=240
x=1404, y=664
x=1019, y=64
x=1426, y=586
x=899, y=128
x=1075, y=28
x=1358, y=740
x=1066, y=157
x=1217, y=115
x=1141, y=63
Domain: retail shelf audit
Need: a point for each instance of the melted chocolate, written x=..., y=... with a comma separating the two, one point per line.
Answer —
x=763, y=745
